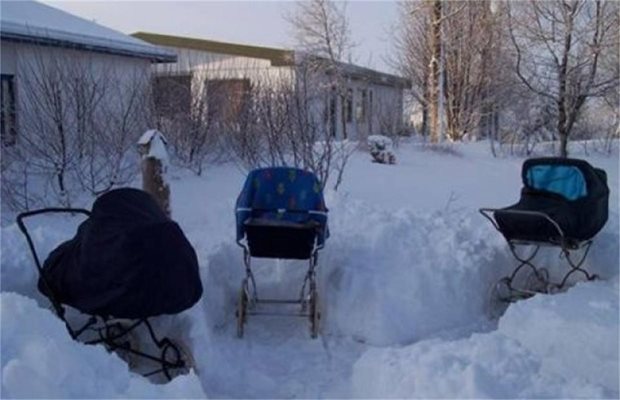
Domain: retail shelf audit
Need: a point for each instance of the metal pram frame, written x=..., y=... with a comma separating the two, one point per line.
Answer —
x=538, y=280
x=308, y=300
x=115, y=333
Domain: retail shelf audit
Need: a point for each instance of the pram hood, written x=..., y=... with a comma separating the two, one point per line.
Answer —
x=296, y=193
x=570, y=178
x=571, y=192
x=127, y=260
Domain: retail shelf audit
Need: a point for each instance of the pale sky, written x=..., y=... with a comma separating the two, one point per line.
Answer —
x=248, y=22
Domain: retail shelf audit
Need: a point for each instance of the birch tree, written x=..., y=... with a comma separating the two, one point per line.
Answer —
x=559, y=47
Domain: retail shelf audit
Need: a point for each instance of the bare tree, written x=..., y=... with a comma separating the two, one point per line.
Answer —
x=77, y=119
x=412, y=53
x=449, y=51
x=322, y=29
x=559, y=46
x=324, y=41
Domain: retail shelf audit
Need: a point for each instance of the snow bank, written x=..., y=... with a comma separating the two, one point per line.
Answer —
x=395, y=277
x=564, y=345
x=39, y=359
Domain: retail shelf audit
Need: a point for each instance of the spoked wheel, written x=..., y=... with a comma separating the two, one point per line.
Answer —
x=499, y=298
x=176, y=359
x=242, y=305
x=538, y=281
x=118, y=339
x=315, y=314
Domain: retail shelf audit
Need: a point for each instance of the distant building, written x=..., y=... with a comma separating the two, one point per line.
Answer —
x=221, y=73
x=40, y=43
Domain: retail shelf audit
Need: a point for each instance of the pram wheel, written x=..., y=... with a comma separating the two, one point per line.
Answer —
x=175, y=359
x=538, y=281
x=242, y=305
x=499, y=298
x=121, y=339
x=315, y=314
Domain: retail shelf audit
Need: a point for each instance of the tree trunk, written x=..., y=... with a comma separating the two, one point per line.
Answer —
x=434, y=75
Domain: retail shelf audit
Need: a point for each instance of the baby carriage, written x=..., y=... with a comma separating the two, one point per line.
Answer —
x=564, y=204
x=281, y=214
x=127, y=263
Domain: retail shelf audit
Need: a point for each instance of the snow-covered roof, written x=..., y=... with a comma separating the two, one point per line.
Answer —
x=33, y=22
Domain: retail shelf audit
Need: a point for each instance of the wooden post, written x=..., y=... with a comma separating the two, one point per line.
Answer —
x=152, y=148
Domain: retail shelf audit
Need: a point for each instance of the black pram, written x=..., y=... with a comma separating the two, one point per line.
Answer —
x=564, y=203
x=128, y=262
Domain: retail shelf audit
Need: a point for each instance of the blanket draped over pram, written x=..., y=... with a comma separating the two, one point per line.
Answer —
x=570, y=191
x=282, y=194
x=127, y=260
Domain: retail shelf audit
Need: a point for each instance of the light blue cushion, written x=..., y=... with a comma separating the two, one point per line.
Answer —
x=565, y=180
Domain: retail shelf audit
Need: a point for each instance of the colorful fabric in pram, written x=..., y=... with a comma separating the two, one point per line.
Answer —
x=282, y=194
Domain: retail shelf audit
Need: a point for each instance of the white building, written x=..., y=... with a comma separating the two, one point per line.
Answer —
x=39, y=43
x=372, y=102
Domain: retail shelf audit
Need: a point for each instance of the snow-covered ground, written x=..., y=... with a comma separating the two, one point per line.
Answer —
x=404, y=282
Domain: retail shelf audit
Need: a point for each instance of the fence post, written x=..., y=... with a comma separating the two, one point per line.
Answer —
x=152, y=147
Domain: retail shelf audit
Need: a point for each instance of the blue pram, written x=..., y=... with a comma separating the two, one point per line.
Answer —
x=281, y=214
x=564, y=203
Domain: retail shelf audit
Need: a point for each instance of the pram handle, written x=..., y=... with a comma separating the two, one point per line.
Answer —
x=488, y=214
x=24, y=230
x=280, y=210
x=27, y=214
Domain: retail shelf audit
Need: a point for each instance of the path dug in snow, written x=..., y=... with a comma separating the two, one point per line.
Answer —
x=404, y=280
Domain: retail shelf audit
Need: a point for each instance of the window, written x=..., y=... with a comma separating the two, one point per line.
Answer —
x=9, y=128
x=348, y=109
x=360, y=106
x=370, y=111
x=332, y=112
x=172, y=95
x=227, y=99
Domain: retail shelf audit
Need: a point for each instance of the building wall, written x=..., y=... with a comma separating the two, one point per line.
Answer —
x=34, y=67
x=203, y=66
x=374, y=108
x=369, y=108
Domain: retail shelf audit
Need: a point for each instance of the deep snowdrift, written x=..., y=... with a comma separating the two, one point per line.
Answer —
x=39, y=359
x=558, y=346
x=404, y=283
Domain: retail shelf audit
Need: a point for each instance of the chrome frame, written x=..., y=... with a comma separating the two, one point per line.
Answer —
x=309, y=284
x=565, y=245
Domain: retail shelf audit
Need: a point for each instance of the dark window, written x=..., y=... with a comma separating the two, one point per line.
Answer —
x=332, y=112
x=227, y=99
x=9, y=128
x=172, y=95
x=349, y=106
x=360, y=106
x=370, y=111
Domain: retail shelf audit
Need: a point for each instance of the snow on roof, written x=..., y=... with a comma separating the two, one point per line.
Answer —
x=31, y=21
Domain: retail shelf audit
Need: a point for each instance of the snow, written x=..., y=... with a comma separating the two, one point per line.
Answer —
x=404, y=282
x=379, y=140
x=559, y=346
x=39, y=359
x=157, y=143
x=34, y=19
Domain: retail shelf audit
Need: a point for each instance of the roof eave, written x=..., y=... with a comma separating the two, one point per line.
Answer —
x=52, y=42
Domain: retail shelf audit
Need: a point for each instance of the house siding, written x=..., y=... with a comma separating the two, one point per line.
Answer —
x=27, y=62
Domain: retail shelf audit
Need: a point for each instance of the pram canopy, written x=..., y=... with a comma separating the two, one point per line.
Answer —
x=285, y=202
x=127, y=260
x=571, y=192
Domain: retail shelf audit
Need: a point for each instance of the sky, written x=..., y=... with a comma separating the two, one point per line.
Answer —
x=249, y=22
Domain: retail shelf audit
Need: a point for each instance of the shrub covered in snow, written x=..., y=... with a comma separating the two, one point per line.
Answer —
x=381, y=149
